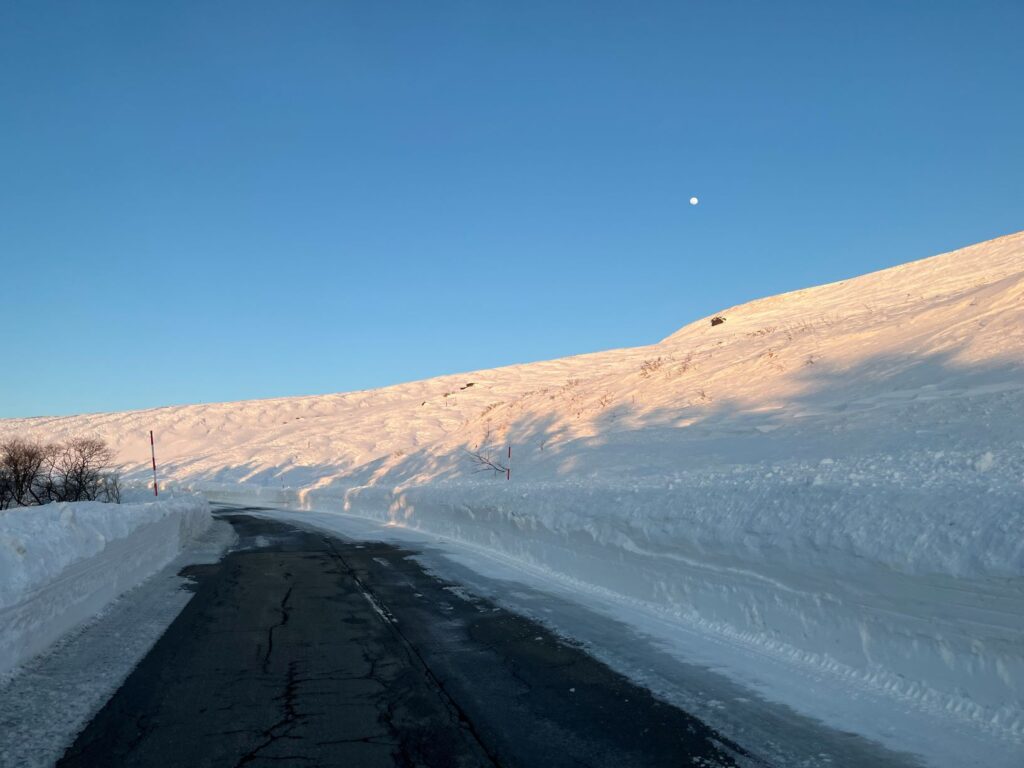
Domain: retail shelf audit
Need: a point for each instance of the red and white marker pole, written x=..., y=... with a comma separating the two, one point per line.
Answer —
x=508, y=469
x=152, y=452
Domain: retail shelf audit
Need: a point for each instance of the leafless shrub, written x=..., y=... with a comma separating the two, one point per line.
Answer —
x=682, y=366
x=648, y=367
x=111, y=488
x=489, y=407
x=486, y=463
x=80, y=469
x=811, y=326
x=717, y=320
x=804, y=326
x=24, y=465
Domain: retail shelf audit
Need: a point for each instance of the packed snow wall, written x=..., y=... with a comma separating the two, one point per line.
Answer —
x=885, y=585
x=60, y=564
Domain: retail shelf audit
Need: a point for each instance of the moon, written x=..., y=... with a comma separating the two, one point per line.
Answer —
x=694, y=201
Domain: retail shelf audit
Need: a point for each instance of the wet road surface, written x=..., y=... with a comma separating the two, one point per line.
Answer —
x=300, y=648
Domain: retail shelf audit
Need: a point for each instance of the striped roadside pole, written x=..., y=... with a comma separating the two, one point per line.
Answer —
x=152, y=452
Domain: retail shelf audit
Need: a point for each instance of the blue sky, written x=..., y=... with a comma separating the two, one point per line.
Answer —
x=218, y=201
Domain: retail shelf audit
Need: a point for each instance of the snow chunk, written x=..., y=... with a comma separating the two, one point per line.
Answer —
x=985, y=463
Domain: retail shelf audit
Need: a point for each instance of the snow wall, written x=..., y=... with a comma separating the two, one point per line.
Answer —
x=889, y=587
x=60, y=564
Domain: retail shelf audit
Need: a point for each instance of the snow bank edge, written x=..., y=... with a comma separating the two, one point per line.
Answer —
x=61, y=564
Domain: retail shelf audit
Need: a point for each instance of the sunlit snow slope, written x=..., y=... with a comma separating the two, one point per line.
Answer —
x=832, y=475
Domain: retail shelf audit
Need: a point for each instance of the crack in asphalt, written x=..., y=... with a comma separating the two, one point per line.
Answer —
x=284, y=622
x=291, y=716
x=413, y=653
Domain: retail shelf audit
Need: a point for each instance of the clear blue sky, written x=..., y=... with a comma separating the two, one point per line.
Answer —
x=217, y=201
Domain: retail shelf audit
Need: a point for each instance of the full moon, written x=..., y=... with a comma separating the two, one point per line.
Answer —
x=694, y=201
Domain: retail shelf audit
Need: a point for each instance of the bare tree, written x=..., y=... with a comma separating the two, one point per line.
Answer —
x=24, y=463
x=485, y=463
x=79, y=470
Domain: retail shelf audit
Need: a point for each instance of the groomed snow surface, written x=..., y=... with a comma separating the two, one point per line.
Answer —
x=832, y=478
x=61, y=564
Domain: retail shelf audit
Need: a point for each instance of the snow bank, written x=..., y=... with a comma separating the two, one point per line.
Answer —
x=60, y=564
x=884, y=584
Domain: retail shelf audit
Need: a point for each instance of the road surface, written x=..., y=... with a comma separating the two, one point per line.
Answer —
x=300, y=648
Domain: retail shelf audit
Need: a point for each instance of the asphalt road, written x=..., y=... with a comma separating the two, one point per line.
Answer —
x=303, y=649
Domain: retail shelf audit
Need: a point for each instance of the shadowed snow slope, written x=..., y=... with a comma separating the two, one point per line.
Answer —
x=832, y=476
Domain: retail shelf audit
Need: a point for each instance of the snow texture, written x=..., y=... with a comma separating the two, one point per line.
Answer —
x=61, y=564
x=51, y=697
x=833, y=477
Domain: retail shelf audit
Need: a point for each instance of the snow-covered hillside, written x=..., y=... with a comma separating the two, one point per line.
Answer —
x=834, y=476
x=862, y=359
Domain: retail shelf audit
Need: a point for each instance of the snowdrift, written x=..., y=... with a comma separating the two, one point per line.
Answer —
x=834, y=476
x=60, y=564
